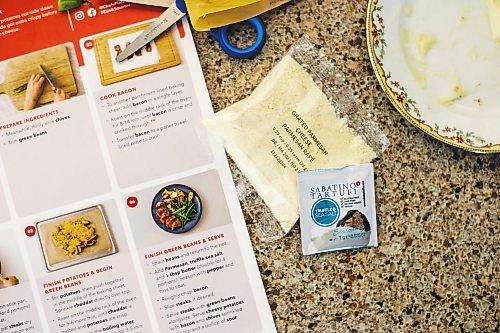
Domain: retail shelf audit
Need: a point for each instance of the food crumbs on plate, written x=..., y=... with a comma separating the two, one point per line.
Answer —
x=472, y=52
x=74, y=236
x=425, y=42
x=416, y=59
x=493, y=9
x=457, y=94
x=408, y=10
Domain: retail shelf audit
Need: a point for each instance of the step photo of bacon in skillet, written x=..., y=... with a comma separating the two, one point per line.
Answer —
x=175, y=209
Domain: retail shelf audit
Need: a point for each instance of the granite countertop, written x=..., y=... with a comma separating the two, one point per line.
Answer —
x=436, y=269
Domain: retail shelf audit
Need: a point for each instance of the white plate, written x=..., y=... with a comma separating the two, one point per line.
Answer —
x=439, y=65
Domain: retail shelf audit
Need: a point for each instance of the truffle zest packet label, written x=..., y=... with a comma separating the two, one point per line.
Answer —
x=337, y=209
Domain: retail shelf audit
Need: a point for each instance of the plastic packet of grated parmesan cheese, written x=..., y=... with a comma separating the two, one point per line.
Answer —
x=302, y=116
x=337, y=209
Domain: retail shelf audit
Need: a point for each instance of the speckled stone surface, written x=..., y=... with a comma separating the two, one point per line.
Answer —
x=436, y=269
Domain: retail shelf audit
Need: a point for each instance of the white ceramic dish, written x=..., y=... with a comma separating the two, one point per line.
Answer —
x=440, y=66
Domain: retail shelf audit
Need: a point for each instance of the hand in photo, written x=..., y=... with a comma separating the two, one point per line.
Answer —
x=35, y=89
x=60, y=95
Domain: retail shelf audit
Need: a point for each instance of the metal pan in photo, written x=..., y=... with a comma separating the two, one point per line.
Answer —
x=75, y=238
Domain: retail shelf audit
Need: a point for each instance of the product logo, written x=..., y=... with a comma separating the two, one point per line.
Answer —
x=92, y=12
x=335, y=190
x=79, y=15
x=325, y=212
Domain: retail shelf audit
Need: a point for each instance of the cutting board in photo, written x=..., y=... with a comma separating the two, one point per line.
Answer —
x=159, y=54
x=19, y=70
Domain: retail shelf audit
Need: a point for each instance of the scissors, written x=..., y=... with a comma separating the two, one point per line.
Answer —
x=175, y=11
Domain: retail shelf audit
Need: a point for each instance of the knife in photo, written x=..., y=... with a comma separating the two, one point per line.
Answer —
x=48, y=78
x=174, y=13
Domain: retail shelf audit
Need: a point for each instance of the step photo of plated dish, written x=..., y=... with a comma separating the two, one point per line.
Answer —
x=176, y=208
x=75, y=238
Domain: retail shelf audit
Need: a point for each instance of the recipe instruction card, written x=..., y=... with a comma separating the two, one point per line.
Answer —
x=117, y=211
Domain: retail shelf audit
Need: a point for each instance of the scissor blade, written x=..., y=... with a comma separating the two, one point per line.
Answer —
x=162, y=23
x=47, y=77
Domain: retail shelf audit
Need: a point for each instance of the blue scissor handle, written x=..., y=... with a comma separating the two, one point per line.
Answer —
x=221, y=36
x=181, y=4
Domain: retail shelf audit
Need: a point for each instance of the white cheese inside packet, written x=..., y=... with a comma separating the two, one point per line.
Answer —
x=337, y=209
x=285, y=126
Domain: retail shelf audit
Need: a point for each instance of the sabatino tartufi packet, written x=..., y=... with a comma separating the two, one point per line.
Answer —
x=337, y=209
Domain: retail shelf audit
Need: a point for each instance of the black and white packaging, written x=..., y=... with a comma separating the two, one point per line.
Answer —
x=337, y=209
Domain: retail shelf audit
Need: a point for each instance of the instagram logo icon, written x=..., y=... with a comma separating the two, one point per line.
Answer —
x=80, y=15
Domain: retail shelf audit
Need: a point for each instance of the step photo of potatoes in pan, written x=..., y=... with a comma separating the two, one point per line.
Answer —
x=75, y=238
x=156, y=55
x=47, y=76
